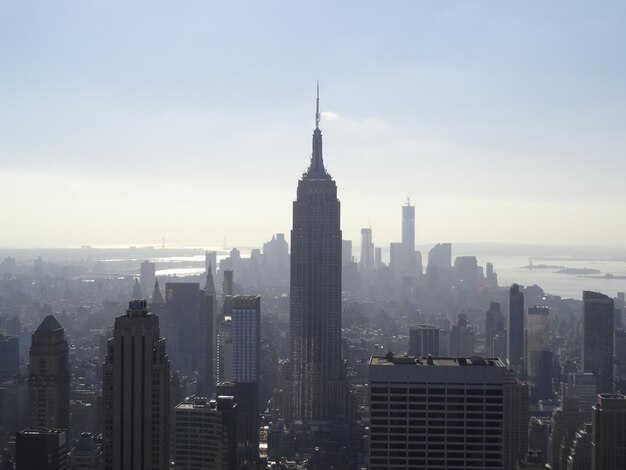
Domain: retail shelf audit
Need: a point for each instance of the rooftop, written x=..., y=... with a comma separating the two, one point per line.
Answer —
x=404, y=360
x=49, y=324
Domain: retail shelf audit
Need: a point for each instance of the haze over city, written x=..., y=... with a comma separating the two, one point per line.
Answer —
x=125, y=123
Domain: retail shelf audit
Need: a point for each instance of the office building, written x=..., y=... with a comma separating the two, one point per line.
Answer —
x=246, y=341
x=9, y=357
x=580, y=454
x=367, y=250
x=515, y=419
x=49, y=378
x=408, y=225
x=207, y=338
x=136, y=393
x=204, y=434
x=423, y=340
x=346, y=252
x=439, y=260
x=608, y=438
x=182, y=300
x=466, y=271
x=87, y=455
x=315, y=313
x=494, y=323
x=41, y=450
x=565, y=421
x=516, y=328
x=447, y=413
x=582, y=385
x=598, y=339
x=538, y=354
x=147, y=278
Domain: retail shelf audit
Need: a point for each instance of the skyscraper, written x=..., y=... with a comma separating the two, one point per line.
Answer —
x=246, y=343
x=49, y=378
x=538, y=354
x=9, y=357
x=136, y=393
x=315, y=316
x=408, y=225
x=452, y=413
x=494, y=322
x=39, y=449
x=424, y=340
x=608, y=435
x=516, y=328
x=598, y=339
x=147, y=277
x=204, y=434
x=367, y=250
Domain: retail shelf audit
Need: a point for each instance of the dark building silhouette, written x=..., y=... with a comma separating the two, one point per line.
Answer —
x=494, y=323
x=136, y=393
x=9, y=357
x=182, y=300
x=315, y=314
x=49, y=378
x=516, y=328
x=41, y=450
x=598, y=339
x=205, y=434
x=245, y=341
x=424, y=340
x=608, y=439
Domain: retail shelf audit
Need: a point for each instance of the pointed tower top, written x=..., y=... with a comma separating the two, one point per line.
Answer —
x=209, y=286
x=49, y=324
x=157, y=298
x=316, y=168
x=317, y=107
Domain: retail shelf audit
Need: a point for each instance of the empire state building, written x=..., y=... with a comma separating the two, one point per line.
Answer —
x=315, y=317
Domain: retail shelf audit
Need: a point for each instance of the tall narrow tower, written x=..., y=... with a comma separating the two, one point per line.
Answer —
x=408, y=226
x=136, y=393
x=316, y=292
x=49, y=378
x=598, y=339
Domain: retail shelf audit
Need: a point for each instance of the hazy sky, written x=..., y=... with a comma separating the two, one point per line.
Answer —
x=124, y=122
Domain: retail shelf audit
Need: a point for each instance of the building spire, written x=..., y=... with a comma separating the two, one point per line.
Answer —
x=317, y=107
x=316, y=168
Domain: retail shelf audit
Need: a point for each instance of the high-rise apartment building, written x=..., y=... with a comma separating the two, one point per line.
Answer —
x=608, y=439
x=598, y=339
x=424, y=340
x=448, y=413
x=516, y=328
x=136, y=393
x=49, y=378
x=315, y=314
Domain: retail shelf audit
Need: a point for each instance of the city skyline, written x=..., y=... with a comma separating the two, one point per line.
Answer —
x=482, y=112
